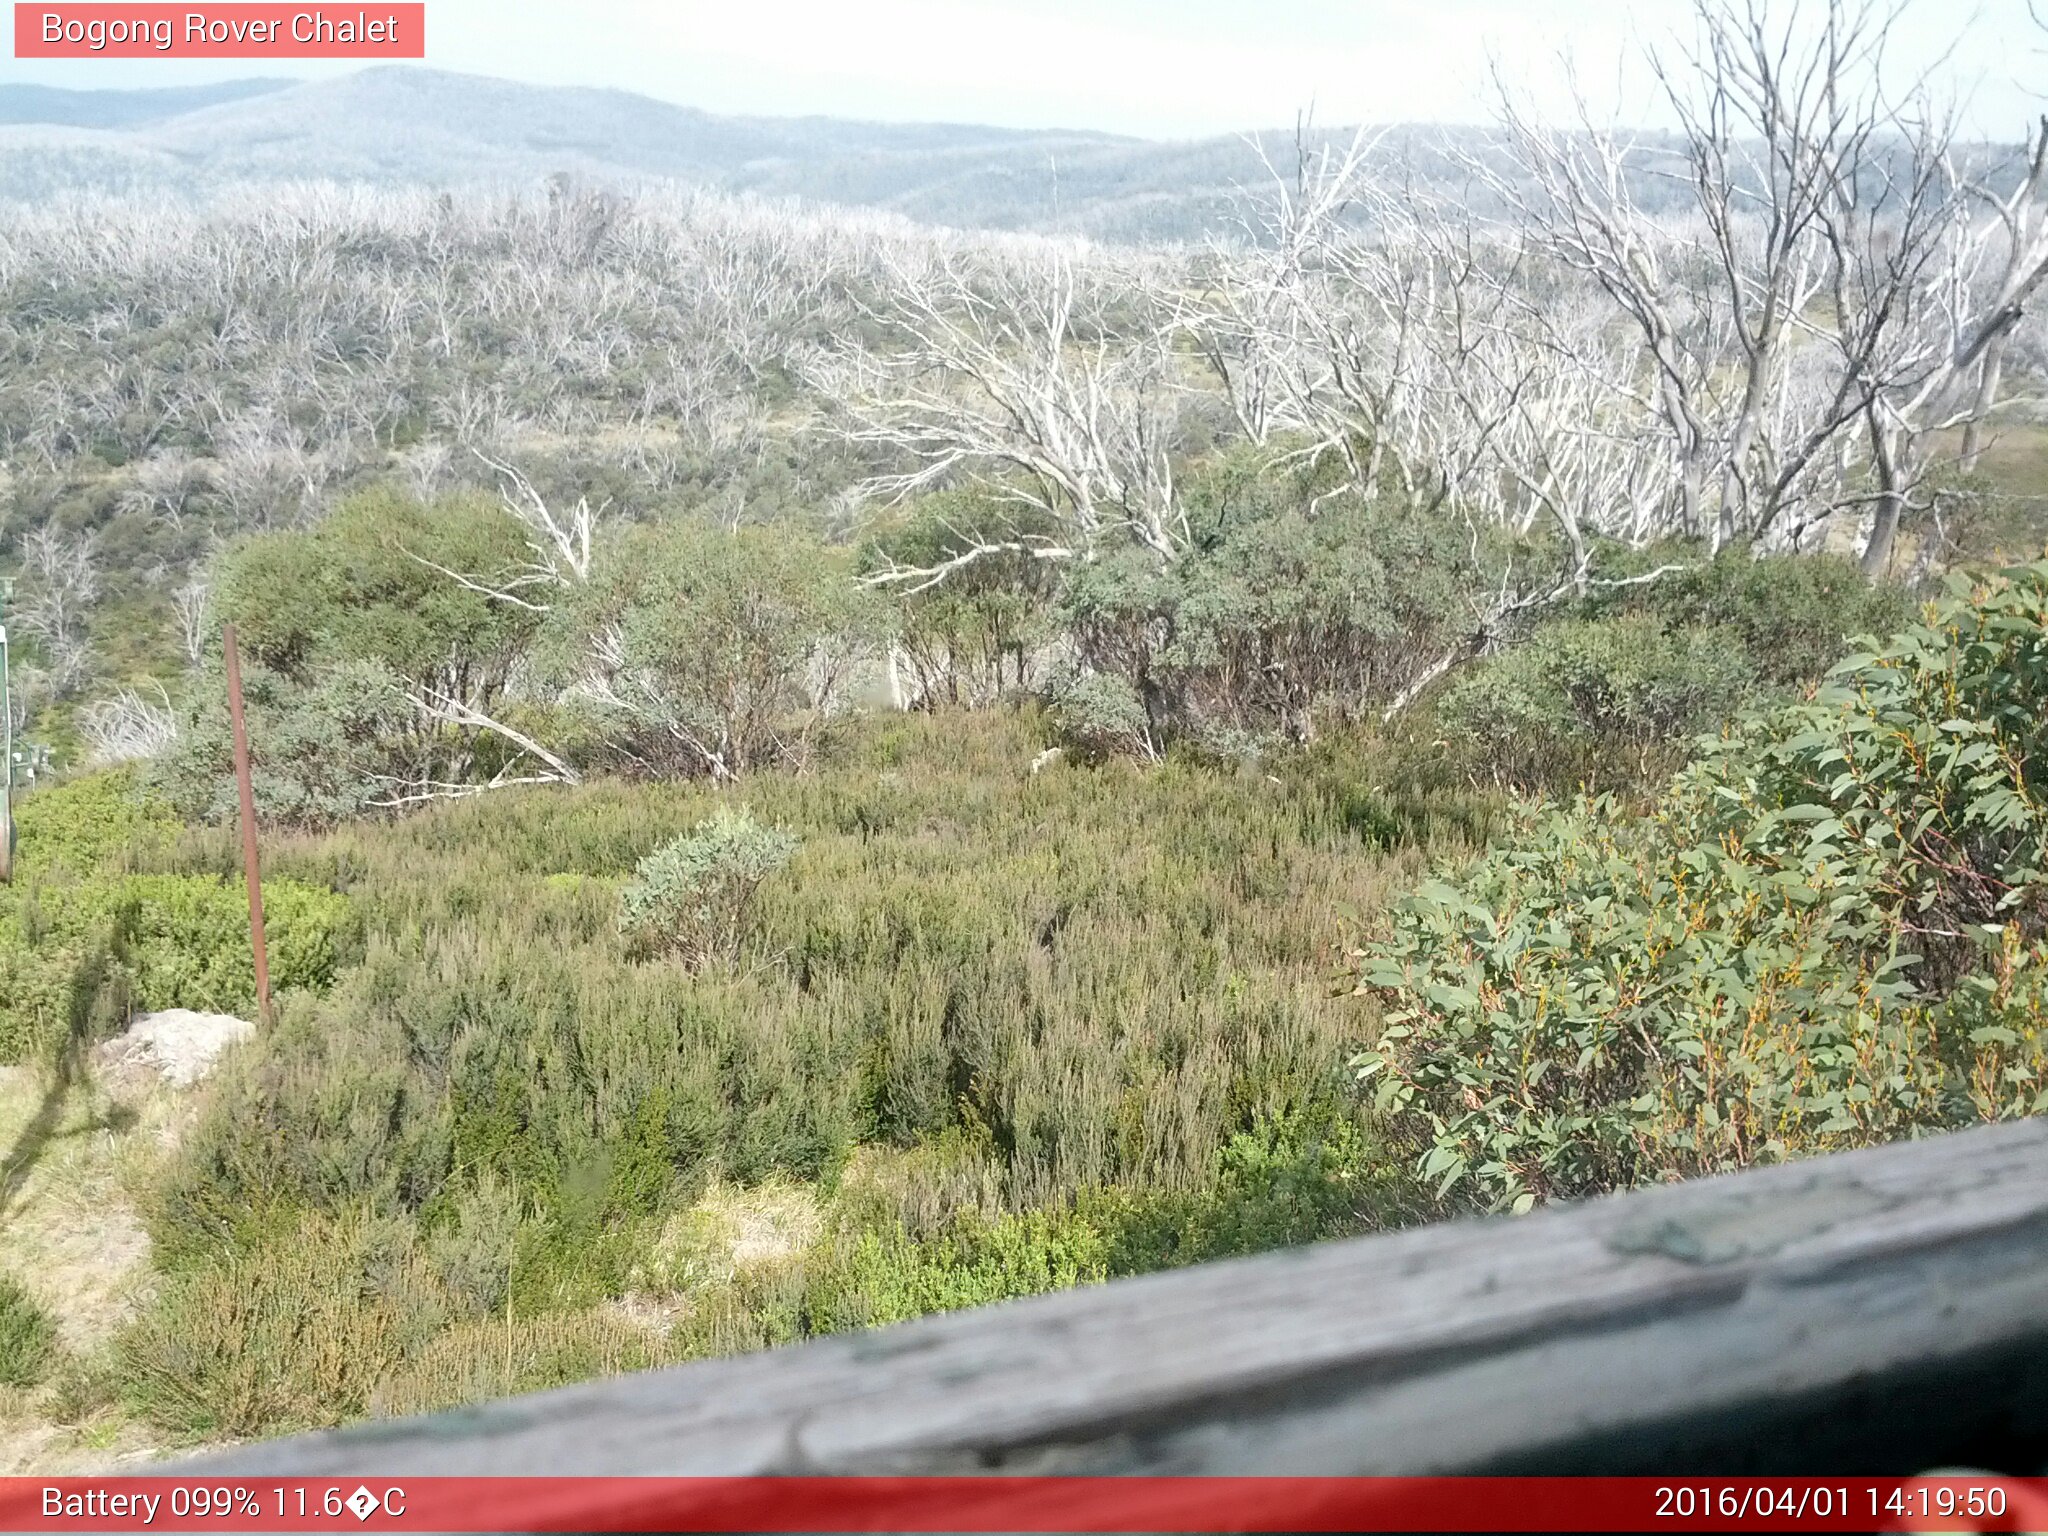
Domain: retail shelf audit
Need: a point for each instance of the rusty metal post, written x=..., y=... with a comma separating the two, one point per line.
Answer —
x=251, y=871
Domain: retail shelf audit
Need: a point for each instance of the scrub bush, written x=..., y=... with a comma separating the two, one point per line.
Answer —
x=690, y=897
x=1828, y=934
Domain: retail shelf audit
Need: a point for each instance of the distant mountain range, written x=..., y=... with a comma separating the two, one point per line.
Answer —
x=121, y=109
x=403, y=126
x=398, y=125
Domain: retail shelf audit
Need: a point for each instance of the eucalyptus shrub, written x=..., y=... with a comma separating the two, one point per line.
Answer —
x=1789, y=615
x=343, y=627
x=1098, y=715
x=713, y=652
x=1598, y=699
x=986, y=626
x=1829, y=934
x=1297, y=606
x=1614, y=690
x=322, y=751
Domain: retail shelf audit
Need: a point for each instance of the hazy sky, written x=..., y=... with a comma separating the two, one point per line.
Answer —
x=1164, y=68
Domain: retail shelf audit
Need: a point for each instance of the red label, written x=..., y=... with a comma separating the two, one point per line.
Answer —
x=241, y=31
x=377, y=1505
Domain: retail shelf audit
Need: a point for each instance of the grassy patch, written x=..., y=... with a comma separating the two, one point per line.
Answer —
x=28, y=1336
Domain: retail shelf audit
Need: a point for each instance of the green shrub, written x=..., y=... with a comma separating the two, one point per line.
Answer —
x=1829, y=934
x=63, y=973
x=1299, y=606
x=309, y=1322
x=965, y=639
x=1097, y=715
x=487, y=1359
x=361, y=585
x=1617, y=698
x=28, y=1336
x=1108, y=974
x=87, y=824
x=1092, y=1008
x=1396, y=787
x=322, y=749
x=77, y=958
x=690, y=897
x=341, y=625
x=1294, y=1178
x=187, y=939
x=877, y=1277
x=1613, y=692
x=713, y=652
x=1791, y=616
x=473, y=1251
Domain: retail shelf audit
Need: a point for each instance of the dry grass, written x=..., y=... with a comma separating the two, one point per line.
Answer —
x=70, y=1234
x=729, y=1230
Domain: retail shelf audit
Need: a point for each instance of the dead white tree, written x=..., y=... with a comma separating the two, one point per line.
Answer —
x=162, y=485
x=1271, y=344
x=1772, y=116
x=1357, y=292
x=1050, y=383
x=192, y=605
x=55, y=603
x=1451, y=371
x=2018, y=232
x=1935, y=269
x=446, y=706
x=128, y=727
x=559, y=544
x=1841, y=306
x=561, y=541
x=271, y=472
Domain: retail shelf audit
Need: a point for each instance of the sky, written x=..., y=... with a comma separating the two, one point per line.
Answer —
x=1154, y=68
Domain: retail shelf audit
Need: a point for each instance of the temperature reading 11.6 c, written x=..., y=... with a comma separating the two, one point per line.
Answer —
x=362, y=1501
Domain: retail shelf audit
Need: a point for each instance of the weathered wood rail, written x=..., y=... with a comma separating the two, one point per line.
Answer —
x=1880, y=1311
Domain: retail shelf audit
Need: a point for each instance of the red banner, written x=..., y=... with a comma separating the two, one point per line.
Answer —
x=379, y=1503
x=374, y=31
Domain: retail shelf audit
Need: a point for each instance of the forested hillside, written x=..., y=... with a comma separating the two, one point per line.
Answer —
x=815, y=768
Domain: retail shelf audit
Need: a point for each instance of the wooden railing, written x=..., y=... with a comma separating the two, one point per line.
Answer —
x=1879, y=1311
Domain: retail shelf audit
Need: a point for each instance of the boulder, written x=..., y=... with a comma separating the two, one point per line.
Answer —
x=179, y=1045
